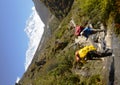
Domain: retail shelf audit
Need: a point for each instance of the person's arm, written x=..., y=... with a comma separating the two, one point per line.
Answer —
x=90, y=25
x=82, y=32
x=73, y=23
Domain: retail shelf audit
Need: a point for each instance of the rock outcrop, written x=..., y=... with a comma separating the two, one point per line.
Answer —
x=60, y=8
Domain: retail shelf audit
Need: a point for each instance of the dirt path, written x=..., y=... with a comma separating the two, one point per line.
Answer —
x=109, y=61
x=113, y=62
x=116, y=60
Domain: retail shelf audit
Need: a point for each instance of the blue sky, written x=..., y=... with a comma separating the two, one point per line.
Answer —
x=13, y=39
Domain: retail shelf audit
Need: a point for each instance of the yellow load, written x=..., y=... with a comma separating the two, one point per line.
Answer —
x=83, y=52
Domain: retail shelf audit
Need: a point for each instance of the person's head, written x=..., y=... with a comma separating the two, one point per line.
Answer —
x=77, y=56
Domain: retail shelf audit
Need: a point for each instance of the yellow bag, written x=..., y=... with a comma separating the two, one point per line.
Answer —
x=83, y=52
x=91, y=48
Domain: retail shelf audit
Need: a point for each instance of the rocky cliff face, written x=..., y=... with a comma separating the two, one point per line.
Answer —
x=42, y=10
x=53, y=62
x=59, y=8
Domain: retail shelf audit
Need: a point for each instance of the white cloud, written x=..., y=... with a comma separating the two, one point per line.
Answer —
x=34, y=30
x=17, y=79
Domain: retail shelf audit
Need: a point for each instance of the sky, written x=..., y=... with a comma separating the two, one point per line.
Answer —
x=15, y=39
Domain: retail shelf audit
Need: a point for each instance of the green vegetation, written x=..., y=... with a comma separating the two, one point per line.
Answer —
x=60, y=56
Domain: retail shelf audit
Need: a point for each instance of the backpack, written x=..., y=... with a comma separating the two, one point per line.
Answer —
x=83, y=52
x=78, y=29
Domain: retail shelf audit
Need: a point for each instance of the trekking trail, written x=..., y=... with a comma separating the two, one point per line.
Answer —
x=113, y=61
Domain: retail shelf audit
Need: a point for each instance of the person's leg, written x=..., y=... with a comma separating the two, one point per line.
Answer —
x=94, y=31
x=94, y=54
x=107, y=52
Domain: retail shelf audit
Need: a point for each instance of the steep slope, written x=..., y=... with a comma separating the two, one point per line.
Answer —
x=53, y=65
x=59, y=8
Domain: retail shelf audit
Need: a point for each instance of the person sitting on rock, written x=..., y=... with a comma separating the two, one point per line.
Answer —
x=88, y=30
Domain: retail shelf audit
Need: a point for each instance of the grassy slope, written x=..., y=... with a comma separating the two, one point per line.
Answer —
x=59, y=57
